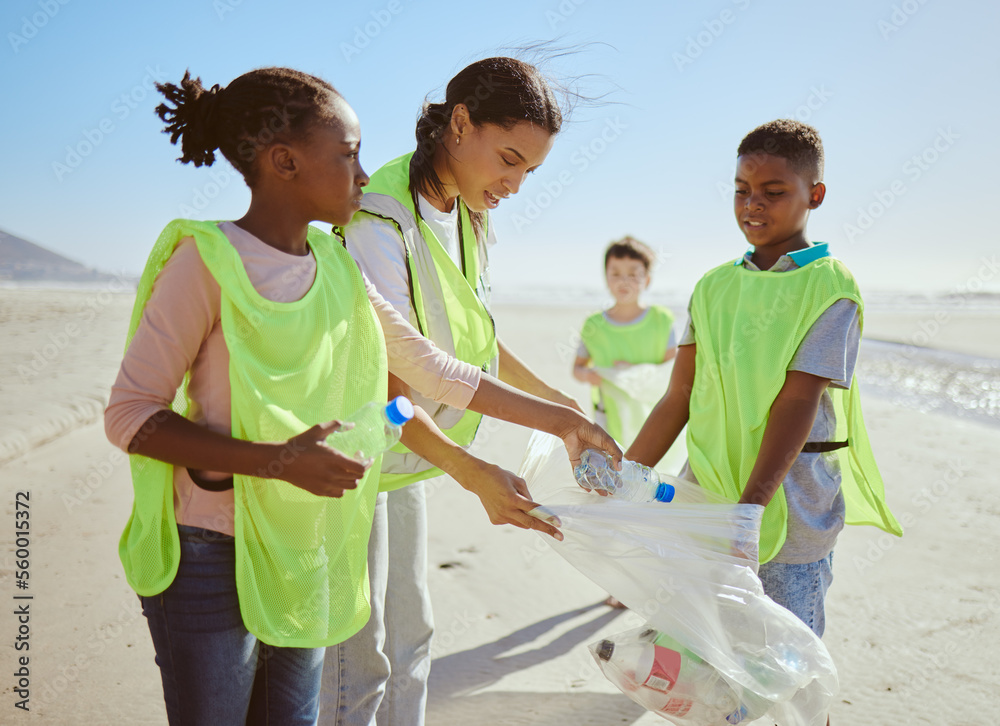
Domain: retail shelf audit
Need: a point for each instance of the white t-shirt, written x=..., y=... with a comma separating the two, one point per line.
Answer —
x=378, y=249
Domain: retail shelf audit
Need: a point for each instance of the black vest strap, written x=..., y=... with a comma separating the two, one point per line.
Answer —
x=821, y=447
x=211, y=485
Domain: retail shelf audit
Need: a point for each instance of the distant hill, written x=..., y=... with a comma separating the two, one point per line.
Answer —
x=21, y=260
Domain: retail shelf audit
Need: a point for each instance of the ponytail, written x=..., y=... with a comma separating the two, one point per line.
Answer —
x=193, y=118
x=259, y=108
x=434, y=119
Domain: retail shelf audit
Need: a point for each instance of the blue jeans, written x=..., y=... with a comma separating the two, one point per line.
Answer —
x=800, y=588
x=215, y=672
x=383, y=669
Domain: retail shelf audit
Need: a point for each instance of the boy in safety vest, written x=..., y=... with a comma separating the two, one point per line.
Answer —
x=764, y=377
x=625, y=335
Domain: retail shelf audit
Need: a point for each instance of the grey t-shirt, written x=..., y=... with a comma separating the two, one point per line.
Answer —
x=812, y=486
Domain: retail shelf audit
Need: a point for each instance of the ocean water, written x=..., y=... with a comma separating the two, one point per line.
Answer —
x=62, y=346
x=922, y=378
x=931, y=380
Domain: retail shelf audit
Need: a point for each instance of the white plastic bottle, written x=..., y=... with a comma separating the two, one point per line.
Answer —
x=635, y=482
x=376, y=428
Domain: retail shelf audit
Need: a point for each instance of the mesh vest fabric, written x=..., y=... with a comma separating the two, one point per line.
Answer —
x=642, y=342
x=446, y=305
x=301, y=560
x=748, y=325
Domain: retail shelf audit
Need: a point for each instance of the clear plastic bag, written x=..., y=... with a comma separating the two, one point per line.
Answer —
x=634, y=390
x=689, y=569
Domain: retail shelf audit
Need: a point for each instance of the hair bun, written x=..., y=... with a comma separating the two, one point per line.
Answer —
x=194, y=118
x=206, y=111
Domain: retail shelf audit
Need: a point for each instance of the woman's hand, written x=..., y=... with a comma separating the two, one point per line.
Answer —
x=307, y=462
x=564, y=400
x=505, y=498
x=581, y=433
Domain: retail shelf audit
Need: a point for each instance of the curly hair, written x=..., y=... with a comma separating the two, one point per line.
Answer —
x=798, y=143
x=255, y=110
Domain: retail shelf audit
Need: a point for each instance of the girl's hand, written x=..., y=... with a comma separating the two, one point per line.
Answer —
x=308, y=463
x=506, y=499
x=593, y=377
x=582, y=434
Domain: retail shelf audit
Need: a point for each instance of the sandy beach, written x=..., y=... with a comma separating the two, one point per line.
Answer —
x=913, y=623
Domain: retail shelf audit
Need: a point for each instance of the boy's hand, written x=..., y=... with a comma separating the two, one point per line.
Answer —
x=593, y=377
x=309, y=463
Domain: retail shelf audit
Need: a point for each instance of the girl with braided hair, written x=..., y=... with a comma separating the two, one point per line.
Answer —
x=422, y=238
x=249, y=339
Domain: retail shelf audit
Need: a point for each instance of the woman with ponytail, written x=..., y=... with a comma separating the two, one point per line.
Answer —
x=422, y=238
x=249, y=339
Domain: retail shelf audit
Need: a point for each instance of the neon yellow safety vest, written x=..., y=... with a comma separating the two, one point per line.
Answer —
x=450, y=307
x=747, y=326
x=642, y=342
x=301, y=560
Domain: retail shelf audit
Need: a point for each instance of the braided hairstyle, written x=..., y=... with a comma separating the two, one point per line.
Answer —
x=502, y=91
x=795, y=142
x=257, y=109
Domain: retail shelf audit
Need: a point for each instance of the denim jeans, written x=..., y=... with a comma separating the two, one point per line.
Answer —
x=215, y=672
x=801, y=589
x=380, y=674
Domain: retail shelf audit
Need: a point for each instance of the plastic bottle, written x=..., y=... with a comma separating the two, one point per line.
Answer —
x=660, y=674
x=376, y=428
x=635, y=482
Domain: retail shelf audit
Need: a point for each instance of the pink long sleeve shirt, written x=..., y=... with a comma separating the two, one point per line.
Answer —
x=181, y=331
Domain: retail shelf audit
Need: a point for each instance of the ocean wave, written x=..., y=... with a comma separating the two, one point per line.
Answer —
x=932, y=380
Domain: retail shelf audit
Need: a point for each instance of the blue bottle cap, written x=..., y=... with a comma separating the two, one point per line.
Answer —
x=665, y=492
x=399, y=410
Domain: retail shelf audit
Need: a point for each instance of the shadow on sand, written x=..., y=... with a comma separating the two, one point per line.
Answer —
x=456, y=678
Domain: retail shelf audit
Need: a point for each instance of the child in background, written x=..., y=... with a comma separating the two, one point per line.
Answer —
x=625, y=335
x=764, y=378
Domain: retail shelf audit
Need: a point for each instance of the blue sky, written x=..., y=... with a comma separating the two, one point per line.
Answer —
x=903, y=93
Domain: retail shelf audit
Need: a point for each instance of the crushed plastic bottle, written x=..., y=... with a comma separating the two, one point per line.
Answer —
x=635, y=482
x=376, y=428
x=660, y=674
